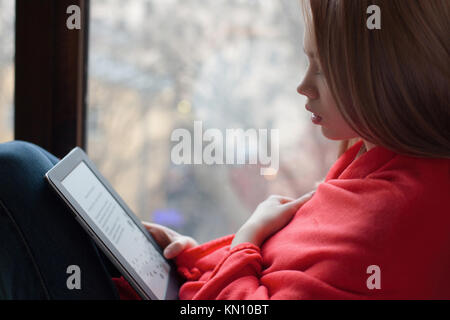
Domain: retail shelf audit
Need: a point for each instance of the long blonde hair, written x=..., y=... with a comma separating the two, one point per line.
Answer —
x=390, y=85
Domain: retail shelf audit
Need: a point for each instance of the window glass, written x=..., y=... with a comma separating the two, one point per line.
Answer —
x=159, y=65
x=7, y=14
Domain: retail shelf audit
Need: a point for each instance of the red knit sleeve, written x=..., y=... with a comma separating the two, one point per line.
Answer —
x=194, y=263
x=238, y=268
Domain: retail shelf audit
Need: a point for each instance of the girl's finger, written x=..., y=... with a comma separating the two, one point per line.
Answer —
x=286, y=200
x=191, y=242
x=153, y=226
x=174, y=249
x=178, y=246
x=299, y=201
x=159, y=234
x=280, y=199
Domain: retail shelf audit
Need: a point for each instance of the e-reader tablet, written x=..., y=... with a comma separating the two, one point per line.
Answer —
x=113, y=226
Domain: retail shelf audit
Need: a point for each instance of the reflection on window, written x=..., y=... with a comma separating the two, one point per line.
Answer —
x=7, y=9
x=159, y=65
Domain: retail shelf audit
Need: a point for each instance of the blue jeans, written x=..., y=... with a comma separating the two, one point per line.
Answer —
x=39, y=236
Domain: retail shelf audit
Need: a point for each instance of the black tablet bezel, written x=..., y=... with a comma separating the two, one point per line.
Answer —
x=57, y=174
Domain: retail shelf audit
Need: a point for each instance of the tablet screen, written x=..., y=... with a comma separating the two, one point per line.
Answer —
x=121, y=231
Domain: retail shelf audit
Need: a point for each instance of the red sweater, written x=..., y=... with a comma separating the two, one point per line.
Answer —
x=381, y=209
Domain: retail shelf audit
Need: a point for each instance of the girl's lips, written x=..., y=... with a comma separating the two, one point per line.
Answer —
x=315, y=118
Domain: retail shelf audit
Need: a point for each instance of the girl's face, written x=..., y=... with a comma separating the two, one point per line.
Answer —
x=320, y=100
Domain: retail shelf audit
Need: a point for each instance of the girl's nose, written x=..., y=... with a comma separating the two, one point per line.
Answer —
x=307, y=91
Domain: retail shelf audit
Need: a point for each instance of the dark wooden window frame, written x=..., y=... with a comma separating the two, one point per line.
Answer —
x=50, y=75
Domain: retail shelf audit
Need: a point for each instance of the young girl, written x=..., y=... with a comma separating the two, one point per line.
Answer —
x=377, y=227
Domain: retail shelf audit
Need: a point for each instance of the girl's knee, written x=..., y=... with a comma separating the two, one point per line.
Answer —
x=22, y=159
x=22, y=168
x=17, y=152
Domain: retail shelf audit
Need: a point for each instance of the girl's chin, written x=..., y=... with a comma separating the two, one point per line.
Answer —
x=331, y=134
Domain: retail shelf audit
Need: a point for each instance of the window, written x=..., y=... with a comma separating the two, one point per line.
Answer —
x=7, y=8
x=159, y=65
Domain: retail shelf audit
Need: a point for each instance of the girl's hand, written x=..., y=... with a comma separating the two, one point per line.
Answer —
x=270, y=216
x=169, y=240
